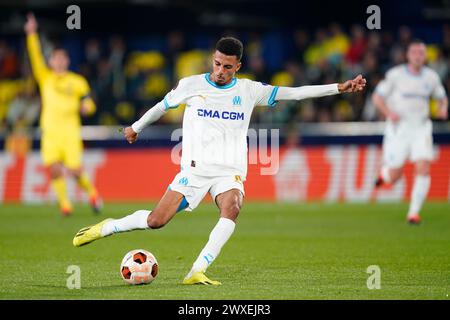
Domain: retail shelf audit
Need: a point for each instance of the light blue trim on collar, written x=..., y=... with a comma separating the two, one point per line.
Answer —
x=227, y=86
x=413, y=74
x=380, y=92
x=272, y=97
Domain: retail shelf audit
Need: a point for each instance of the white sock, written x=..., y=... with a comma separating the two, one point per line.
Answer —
x=134, y=221
x=217, y=239
x=419, y=193
x=385, y=174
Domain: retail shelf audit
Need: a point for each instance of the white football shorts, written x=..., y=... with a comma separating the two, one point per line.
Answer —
x=403, y=142
x=194, y=187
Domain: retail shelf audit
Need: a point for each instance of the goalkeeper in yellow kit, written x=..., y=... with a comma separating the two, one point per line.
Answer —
x=65, y=95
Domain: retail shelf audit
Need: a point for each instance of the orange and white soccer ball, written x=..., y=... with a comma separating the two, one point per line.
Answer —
x=139, y=267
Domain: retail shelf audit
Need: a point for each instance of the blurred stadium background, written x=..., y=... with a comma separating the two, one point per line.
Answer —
x=134, y=52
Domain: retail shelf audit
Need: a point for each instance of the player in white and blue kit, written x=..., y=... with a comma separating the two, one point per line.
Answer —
x=214, y=149
x=403, y=97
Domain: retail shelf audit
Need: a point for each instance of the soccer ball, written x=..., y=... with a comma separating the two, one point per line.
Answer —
x=139, y=267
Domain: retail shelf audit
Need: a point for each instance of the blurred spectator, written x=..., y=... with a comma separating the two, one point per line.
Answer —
x=116, y=62
x=301, y=42
x=446, y=40
x=440, y=64
x=337, y=44
x=176, y=44
x=9, y=62
x=358, y=45
x=92, y=54
x=257, y=68
x=9, y=89
x=316, y=51
x=24, y=108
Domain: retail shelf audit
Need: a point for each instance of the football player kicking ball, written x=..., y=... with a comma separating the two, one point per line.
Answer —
x=214, y=157
x=64, y=96
x=403, y=98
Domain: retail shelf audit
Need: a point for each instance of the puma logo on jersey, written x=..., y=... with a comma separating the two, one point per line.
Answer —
x=227, y=115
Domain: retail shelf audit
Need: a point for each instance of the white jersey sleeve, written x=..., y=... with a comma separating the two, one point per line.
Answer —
x=387, y=85
x=177, y=95
x=264, y=94
x=172, y=100
x=149, y=117
x=306, y=92
x=438, y=91
x=267, y=95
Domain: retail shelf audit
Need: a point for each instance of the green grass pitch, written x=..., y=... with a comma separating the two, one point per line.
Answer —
x=278, y=251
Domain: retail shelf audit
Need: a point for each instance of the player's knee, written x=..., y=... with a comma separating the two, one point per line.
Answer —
x=155, y=222
x=396, y=174
x=423, y=169
x=55, y=171
x=76, y=173
x=231, y=211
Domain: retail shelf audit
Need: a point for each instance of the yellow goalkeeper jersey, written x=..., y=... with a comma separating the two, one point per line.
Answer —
x=61, y=95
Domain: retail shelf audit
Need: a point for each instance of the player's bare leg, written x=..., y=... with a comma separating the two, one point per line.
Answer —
x=230, y=204
x=388, y=176
x=58, y=183
x=84, y=183
x=164, y=211
x=419, y=191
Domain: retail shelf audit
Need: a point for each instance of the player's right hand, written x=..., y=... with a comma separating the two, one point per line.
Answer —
x=393, y=116
x=130, y=135
x=31, y=25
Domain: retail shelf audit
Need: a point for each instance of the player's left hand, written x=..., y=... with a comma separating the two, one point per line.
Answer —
x=87, y=106
x=355, y=85
x=31, y=24
x=442, y=113
x=84, y=110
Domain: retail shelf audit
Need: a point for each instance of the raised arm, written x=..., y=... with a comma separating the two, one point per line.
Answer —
x=305, y=92
x=38, y=65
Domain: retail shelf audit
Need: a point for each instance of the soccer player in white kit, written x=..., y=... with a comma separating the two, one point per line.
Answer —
x=403, y=97
x=214, y=149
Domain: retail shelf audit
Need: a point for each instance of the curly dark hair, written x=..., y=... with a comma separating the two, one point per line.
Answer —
x=230, y=46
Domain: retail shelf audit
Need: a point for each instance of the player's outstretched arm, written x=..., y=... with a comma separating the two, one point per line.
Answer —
x=305, y=92
x=152, y=115
x=38, y=65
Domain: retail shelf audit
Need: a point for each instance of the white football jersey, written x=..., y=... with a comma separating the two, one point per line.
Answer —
x=408, y=95
x=216, y=121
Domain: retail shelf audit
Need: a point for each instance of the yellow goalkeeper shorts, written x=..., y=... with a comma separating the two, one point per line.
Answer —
x=67, y=149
